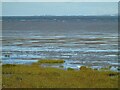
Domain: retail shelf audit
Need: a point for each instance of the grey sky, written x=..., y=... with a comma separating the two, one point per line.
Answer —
x=58, y=8
x=60, y=0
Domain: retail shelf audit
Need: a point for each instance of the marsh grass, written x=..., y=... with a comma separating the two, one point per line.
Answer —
x=8, y=65
x=34, y=76
x=50, y=61
x=70, y=69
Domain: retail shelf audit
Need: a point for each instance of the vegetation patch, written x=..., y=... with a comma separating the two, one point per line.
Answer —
x=50, y=61
x=84, y=68
x=70, y=69
x=8, y=65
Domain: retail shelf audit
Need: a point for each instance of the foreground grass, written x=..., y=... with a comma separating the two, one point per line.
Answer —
x=0, y=76
x=34, y=76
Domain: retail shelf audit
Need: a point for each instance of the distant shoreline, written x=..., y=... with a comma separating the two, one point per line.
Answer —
x=58, y=17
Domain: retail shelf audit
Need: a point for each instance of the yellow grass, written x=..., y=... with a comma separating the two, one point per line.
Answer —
x=34, y=76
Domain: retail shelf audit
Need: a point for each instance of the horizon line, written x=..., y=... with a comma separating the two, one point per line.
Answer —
x=51, y=15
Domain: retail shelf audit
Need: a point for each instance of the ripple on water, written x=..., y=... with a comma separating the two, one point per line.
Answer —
x=18, y=61
x=76, y=49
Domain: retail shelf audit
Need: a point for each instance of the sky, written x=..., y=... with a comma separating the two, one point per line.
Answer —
x=59, y=8
x=60, y=0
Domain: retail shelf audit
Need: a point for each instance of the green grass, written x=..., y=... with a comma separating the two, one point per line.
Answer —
x=8, y=65
x=85, y=68
x=34, y=76
x=70, y=69
x=50, y=61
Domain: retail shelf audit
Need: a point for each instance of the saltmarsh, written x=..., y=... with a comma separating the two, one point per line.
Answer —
x=50, y=61
x=35, y=76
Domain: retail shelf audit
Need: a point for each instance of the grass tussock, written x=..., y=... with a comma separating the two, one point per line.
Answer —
x=84, y=68
x=50, y=61
x=34, y=76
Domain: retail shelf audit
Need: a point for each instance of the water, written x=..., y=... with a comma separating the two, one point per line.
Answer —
x=77, y=47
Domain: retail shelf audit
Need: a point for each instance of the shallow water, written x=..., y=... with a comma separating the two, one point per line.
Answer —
x=82, y=48
x=95, y=48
